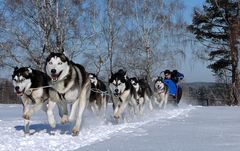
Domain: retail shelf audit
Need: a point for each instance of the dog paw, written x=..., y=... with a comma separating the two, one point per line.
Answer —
x=75, y=132
x=26, y=117
x=64, y=119
x=52, y=124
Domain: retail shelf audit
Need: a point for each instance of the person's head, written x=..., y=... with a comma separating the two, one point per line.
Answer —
x=167, y=74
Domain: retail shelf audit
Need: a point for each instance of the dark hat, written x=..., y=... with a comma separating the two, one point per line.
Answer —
x=167, y=72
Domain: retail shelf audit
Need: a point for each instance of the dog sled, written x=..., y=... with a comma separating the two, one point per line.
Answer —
x=174, y=90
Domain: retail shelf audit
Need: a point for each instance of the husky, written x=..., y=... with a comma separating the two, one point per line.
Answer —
x=32, y=86
x=123, y=94
x=144, y=93
x=160, y=92
x=70, y=83
x=98, y=96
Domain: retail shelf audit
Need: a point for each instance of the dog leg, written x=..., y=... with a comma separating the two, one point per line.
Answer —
x=104, y=106
x=149, y=102
x=26, y=126
x=141, y=105
x=26, y=116
x=44, y=106
x=63, y=111
x=74, y=109
x=157, y=101
x=165, y=100
x=50, y=114
x=95, y=108
x=119, y=110
x=82, y=105
x=83, y=100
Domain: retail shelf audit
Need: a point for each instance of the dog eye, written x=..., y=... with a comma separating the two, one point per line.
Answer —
x=59, y=63
x=50, y=63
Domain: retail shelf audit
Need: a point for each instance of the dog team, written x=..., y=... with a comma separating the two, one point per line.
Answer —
x=65, y=82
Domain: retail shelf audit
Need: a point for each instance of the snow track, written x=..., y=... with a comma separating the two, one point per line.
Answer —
x=44, y=138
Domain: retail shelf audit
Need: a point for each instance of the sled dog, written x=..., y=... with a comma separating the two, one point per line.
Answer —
x=98, y=96
x=160, y=93
x=123, y=94
x=144, y=93
x=70, y=84
x=32, y=86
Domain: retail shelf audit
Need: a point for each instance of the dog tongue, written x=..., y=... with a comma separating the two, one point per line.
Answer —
x=19, y=93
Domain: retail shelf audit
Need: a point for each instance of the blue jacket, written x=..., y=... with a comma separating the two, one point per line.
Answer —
x=176, y=76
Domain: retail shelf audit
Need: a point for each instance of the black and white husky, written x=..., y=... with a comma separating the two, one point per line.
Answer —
x=160, y=92
x=123, y=94
x=70, y=84
x=98, y=96
x=144, y=93
x=32, y=86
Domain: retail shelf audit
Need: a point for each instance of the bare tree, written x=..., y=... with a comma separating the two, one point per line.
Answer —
x=151, y=30
x=35, y=28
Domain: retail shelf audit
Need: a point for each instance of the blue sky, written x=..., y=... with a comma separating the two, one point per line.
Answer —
x=193, y=69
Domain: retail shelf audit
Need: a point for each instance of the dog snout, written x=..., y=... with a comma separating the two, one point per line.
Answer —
x=116, y=90
x=17, y=88
x=53, y=71
x=116, y=117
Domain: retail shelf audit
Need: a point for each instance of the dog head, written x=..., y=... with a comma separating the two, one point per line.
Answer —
x=159, y=84
x=21, y=79
x=93, y=79
x=57, y=66
x=135, y=83
x=118, y=82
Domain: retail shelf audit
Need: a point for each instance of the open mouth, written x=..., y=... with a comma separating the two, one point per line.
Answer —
x=20, y=93
x=55, y=76
x=116, y=94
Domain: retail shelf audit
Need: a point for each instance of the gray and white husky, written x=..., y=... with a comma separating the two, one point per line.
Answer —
x=123, y=94
x=70, y=84
x=98, y=96
x=32, y=86
x=160, y=92
x=144, y=93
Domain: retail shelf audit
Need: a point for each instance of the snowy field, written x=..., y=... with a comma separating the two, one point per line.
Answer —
x=187, y=128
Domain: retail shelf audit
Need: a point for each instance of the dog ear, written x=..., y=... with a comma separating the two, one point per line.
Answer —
x=29, y=70
x=16, y=68
x=125, y=75
x=64, y=58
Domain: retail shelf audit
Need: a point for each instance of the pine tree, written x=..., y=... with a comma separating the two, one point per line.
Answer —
x=218, y=27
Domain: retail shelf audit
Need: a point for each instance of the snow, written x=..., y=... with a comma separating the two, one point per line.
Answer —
x=186, y=128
